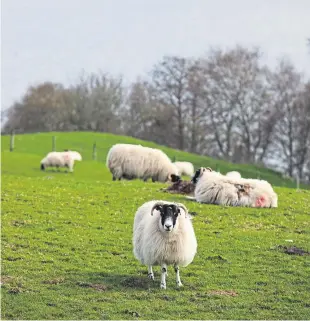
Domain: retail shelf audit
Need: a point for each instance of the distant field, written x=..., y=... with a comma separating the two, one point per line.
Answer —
x=67, y=251
x=40, y=144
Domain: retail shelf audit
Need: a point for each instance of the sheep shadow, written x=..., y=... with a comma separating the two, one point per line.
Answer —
x=51, y=171
x=109, y=281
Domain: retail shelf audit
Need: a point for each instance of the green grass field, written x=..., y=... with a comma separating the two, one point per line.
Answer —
x=67, y=253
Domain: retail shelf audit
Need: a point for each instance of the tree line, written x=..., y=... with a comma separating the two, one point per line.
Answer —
x=226, y=104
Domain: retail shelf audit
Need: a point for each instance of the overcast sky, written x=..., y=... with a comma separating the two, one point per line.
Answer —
x=55, y=39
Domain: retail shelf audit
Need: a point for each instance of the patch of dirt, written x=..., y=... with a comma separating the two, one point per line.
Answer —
x=6, y=279
x=96, y=286
x=293, y=250
x=180, y=187
x=223, y=292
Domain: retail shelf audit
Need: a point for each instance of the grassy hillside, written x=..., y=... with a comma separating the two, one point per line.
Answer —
x=67, y=253
x=40, y=144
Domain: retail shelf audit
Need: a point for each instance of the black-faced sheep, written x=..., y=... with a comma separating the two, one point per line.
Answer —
x=163, y=235
x=215, y=188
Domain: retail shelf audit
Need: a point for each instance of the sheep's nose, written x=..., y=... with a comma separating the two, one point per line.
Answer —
x=168, y=226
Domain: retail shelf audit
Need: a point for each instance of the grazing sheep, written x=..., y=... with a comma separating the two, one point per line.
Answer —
x=60, y=159
x=163, y=238
x=135, y=161
x=233, y=174
x=215, y=188
x=185, y=168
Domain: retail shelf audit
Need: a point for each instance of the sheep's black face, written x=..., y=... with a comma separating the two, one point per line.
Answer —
x=196, y=176
x=175, y=178
x=169, y=214
x=199, y=173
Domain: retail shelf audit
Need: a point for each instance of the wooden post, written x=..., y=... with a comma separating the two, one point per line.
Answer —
x=12, y=141
x=95, y=151
x=54, y=143
x=297, y=181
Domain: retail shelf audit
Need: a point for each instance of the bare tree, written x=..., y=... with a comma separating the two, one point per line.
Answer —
x=237, y=100
x=42, y=108
x=169, y=79
x=287, y=91
x=197, y=109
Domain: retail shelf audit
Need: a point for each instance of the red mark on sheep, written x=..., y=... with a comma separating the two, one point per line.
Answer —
x=260, y=201
x=67, y=157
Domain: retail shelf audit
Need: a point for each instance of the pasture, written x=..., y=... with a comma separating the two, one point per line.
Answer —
x=66, y=243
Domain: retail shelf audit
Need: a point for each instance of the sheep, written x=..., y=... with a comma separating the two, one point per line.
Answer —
x=185, y=168
x=215, y=188
x=165, y=238
x=233, y=174
x=60, y=159
x=135, y=161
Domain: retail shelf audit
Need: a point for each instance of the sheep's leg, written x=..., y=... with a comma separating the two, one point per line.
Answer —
x=177, y=271
x=163, y=276
x=150, y=272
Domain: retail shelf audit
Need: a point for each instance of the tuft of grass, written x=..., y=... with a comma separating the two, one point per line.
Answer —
x=66, y=247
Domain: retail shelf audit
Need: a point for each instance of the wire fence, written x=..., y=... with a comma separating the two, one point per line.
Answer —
x=96, y=150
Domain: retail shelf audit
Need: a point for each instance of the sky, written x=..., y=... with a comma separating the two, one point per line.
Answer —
x=54, y=40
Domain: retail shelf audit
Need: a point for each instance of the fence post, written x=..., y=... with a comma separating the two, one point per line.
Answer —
x=12, y=141
x=54, y=143
x=94, y=151
x=297, y=182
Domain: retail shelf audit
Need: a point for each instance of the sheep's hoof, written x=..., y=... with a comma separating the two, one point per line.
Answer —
x=179, y=284
x=163, y=286
x=151, y=276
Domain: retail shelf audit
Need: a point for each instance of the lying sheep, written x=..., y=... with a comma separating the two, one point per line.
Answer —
x=215, y=188
x=163, y=235
x=185, y=168
x=135, y=161
x=233, y=174
x=60, y=159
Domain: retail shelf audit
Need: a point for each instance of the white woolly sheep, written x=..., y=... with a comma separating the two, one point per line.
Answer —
x=215, y=188
x=135, y=161
x=165, y=238
x=233, y=174
x=60, y=159
x=185, y=168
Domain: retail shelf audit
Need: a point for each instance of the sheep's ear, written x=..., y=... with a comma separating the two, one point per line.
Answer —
x=157, y=207
x=183, y=208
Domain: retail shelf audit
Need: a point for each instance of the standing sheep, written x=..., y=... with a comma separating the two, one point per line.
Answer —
x=163, y=238
x=185, y=168
x=135, y=161
x=215, y=188
x=60, y=159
